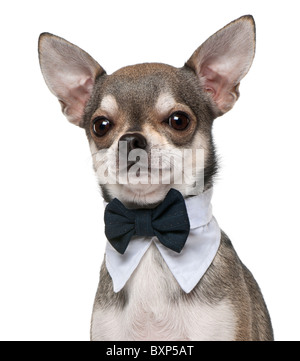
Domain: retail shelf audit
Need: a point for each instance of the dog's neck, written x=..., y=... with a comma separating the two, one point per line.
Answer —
x=190, y=264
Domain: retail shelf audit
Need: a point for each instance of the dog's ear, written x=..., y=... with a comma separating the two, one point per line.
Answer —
x=70, y=74
x=223, y=60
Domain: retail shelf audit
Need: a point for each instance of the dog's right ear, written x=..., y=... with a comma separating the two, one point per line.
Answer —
x=70, y=74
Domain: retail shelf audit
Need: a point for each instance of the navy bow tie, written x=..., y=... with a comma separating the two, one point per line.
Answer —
x=169, y=222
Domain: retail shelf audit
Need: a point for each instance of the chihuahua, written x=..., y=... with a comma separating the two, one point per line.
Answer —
x=186, y=283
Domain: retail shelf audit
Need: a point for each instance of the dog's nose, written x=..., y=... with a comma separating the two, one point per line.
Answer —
x=134, y=141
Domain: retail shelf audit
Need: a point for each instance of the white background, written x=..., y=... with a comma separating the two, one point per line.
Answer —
x=51, y=229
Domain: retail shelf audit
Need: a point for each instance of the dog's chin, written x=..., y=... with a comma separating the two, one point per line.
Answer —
x=143, y=195
x=137, y=195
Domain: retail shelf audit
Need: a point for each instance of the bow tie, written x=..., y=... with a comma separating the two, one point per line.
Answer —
x=168, y=222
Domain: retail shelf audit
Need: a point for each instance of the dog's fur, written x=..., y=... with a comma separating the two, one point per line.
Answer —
x=227, y=303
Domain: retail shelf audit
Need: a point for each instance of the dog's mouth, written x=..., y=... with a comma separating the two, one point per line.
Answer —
x=132, y=163
x=146, y=177
x=142, y=166
x=139, y=173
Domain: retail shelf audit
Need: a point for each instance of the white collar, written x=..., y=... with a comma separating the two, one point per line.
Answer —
x=190, y=264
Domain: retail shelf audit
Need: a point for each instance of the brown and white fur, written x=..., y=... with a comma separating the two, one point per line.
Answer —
x=136, y=101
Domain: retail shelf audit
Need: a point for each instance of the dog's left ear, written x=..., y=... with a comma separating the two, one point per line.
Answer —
x=223, y=60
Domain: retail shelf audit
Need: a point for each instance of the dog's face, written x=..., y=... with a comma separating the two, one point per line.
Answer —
x=156, y=111
x=149, y=125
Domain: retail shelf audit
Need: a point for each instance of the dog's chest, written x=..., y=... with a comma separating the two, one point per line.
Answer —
x=156, y=311
x=151, y=313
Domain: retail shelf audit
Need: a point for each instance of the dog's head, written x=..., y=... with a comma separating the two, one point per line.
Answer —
x=149, y=125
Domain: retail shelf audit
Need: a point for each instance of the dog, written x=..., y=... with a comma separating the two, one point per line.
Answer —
x=146, y=290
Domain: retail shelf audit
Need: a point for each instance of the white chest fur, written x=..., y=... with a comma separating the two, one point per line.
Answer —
x=154, y=313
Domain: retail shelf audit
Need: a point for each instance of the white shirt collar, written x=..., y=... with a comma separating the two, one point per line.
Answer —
x=190, y=264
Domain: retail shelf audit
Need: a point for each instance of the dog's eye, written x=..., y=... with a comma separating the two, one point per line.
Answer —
x=179, y=121
x=101, y=126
